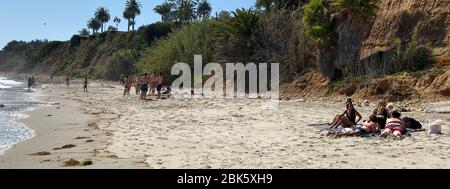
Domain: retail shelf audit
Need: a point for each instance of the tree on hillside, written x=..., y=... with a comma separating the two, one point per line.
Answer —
x=204, y=9
x=269, y=5
x=237, y=36
x=338, y=27
x=223, y=15
x=103, y=16
x=165, y=10
x=84, y=32
x=117, y=21
x=94, y=24
x=112, y=28
x=127, y=16
x=132, y=9
x=186, y=10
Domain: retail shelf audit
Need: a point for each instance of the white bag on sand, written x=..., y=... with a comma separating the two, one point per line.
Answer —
x=435, y=127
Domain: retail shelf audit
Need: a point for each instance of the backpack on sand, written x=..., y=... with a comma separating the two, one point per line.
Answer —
x=412, y=123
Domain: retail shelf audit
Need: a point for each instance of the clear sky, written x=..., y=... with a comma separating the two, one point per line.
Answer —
x=60, y=19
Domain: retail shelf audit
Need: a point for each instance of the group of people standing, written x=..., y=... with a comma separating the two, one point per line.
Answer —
x=145, y=85
x=31, y=82
x=382, y=120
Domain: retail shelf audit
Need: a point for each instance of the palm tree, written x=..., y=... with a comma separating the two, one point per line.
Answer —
x=133, y=8
x=204, y=9
x=164, y=10
x=102, y=15
x=269, y=5
x=117, y=21
x=112, y=28
x=84, y=32
x=264, y=4
x=94, y=24
x=223, y=15
x=186, y=10
x=240, y=27
x=127, y=16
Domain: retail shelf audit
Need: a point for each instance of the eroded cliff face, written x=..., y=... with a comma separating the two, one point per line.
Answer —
x=427, y=21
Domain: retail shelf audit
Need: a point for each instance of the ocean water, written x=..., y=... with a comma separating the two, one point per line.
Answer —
x=16, y=100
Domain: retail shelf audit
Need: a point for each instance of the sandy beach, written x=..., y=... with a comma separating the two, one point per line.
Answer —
x=113, y=131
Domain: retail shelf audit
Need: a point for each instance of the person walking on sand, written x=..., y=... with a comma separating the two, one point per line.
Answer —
x=85, y=86
x=160, y=80
x=67, y=81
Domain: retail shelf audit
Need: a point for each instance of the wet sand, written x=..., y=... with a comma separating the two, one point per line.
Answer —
x=210, y=133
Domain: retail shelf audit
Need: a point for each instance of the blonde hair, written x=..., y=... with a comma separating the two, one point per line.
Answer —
x=381, y=106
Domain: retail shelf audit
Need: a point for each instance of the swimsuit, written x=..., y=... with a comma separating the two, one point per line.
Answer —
x=395, y=126
x=158, y=88
x=351, y=117
x=144, y=87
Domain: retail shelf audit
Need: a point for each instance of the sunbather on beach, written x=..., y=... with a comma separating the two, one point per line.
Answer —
x=370, y=126
x=394, y=126
x=348, y=118
x=167, y=92
x=382, y=113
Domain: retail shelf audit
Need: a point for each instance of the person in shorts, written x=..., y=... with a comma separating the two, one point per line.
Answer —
x=144, y=82
x=160, y=80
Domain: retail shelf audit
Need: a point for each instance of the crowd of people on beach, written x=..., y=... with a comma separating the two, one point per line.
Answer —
x=384, y=121
x=145, y=85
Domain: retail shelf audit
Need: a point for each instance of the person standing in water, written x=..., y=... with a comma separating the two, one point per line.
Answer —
x=30, y=83
x=33, y=82
x=85, y=87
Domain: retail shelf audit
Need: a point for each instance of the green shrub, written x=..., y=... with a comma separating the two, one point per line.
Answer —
x=121, y=62
x=179, y=46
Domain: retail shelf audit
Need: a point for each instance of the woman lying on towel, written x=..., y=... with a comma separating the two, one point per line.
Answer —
x=394, y=126
x=370, y=126
x=348, y=118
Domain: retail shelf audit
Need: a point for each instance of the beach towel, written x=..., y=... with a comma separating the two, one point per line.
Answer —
x=326, y=127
